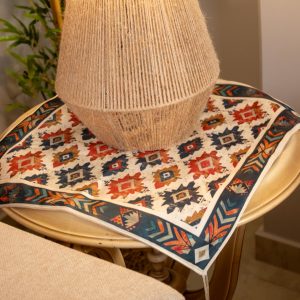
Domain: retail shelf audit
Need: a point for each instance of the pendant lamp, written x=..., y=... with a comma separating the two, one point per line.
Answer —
x=138, y=73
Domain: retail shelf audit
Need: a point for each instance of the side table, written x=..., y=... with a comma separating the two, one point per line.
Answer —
x=281, y=180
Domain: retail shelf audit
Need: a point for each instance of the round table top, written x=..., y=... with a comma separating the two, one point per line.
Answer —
x=280, y=181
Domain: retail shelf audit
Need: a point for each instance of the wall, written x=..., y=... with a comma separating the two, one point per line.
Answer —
x=234, y=25
x=281, y=49
x=281, y=65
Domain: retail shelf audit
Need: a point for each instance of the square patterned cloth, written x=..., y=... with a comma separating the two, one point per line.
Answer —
x=185, y=201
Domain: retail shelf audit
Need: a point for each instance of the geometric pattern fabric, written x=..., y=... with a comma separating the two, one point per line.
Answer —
x=185, y=200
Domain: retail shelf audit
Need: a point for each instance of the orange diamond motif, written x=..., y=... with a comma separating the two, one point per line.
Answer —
x=126, y=186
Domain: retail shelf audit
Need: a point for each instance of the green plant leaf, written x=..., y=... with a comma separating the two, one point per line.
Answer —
x=20, y=41
x=35, y=30
x=18, y=57
x=9, y=38
x=16, y=106
x=24, y=7
x=8, y=27
x=22, y=25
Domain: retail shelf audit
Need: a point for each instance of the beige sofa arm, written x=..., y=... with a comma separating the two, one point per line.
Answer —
x=35, y=268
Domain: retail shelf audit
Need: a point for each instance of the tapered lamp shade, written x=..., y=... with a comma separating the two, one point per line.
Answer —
x=138, y=73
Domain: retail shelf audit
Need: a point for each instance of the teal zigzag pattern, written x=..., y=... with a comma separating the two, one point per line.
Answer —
x=28, y=124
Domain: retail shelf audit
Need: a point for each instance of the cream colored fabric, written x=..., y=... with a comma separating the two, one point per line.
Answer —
x=33, y=268
x=143, y=70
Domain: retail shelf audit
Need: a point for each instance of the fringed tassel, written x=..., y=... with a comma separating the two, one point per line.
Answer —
x=206, y=286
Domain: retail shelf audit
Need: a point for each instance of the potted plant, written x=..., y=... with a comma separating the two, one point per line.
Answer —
x=36, y=34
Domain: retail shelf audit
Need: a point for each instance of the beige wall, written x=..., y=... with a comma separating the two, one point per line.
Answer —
x=281, y=49
x=234, y=25
x=280, y=66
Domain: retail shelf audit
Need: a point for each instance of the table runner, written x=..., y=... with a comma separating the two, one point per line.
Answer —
x=184, y=201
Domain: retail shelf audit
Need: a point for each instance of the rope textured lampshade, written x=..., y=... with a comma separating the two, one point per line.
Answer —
x=138, y=73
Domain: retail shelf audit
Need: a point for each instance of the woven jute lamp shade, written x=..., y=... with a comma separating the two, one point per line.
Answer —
x=138, y=73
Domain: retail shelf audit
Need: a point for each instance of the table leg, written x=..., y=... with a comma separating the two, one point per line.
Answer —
x=158, y=266
x=117, y=256
x=225, y=276
x=2, y=214
x=113, y=255
x=175, y=276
